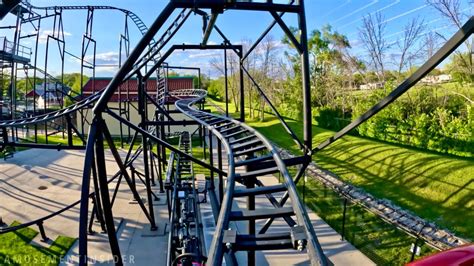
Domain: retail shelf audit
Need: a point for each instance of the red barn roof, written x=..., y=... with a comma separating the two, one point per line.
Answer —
x=32, y=94
x=130, y=87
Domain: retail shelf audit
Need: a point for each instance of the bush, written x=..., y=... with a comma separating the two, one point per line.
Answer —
x=333, y=119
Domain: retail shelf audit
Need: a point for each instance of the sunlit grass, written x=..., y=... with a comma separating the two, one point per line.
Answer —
x=435, y=186
x=15, y=248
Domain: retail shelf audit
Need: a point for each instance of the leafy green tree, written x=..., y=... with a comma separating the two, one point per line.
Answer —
x=460, y=68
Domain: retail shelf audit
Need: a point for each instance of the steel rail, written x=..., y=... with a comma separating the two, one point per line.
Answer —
x=217, y=247
x=83, y=104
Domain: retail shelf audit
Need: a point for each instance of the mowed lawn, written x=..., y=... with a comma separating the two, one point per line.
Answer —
x=15, y=248
x=434, y=186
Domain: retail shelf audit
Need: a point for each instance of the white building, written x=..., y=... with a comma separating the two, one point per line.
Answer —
x=48, y=94
x=371, y=86
x=437, y=79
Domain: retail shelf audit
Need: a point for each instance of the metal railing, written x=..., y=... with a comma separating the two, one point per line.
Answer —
x=9, y=47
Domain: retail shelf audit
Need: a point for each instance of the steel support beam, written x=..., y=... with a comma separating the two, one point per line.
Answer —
x=307, y=117
x=134, y=55
x=210, y=26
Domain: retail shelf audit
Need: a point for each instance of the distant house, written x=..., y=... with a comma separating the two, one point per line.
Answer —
x=48, y=94
x=443, y=78
x=371, y=86
x=129, y=89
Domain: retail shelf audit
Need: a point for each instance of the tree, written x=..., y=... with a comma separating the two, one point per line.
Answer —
x=250, y=65
x=430, y=44
x=217, y=64
x=411, y=35
x=4, y=83
x=451, y=10
x=372, y=35
x=266, y=75
x=458, y=67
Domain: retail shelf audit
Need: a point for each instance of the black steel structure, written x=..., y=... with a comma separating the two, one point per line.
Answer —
x=186, y=240
x=244, y=147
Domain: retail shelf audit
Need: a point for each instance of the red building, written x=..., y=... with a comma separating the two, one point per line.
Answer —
x=131, y=86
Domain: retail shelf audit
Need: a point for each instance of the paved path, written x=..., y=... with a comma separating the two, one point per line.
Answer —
x=61, y=173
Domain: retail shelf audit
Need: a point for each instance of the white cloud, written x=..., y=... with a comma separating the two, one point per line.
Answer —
x=106, y=58
x=208, y=54
x=45, y=33
x=106, y=70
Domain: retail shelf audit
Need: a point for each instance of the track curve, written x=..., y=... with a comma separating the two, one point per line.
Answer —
x=85, y=103
x=247, y=147
x=135, y=18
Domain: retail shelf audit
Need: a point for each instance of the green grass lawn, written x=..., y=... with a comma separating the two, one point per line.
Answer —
x=434, y=186
x=197, y=152
x=382, y=242
x=15, y=248
x=58, y=139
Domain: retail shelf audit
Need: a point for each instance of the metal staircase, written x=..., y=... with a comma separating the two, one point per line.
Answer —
x=185, y=243
x=246, y=147
x=162, y=85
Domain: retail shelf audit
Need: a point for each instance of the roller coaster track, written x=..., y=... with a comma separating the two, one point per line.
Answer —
x=186, y=239
x=155, y=47
x=136, y=19
x=247, y=147
x=85, y=103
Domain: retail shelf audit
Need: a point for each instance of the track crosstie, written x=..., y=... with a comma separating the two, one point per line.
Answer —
x=246, y=147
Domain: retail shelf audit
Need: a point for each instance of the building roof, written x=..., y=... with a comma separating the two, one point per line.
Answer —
x=129, y=89
x=54, y=89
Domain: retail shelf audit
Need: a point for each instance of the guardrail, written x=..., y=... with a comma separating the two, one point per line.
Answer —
x=10, y=47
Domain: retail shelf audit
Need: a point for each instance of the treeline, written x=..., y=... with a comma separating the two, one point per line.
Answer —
x=26, y=84
x=428, y=117
x=436, y=117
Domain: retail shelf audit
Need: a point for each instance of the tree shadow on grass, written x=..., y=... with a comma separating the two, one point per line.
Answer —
x=6, y=260
x=430, y=184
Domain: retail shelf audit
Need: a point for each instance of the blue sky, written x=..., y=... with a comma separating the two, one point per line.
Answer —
x=343, y=15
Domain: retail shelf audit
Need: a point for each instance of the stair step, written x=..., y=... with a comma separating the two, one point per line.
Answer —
x=243, y=215
x=259, y=190
x=254, y=160
x=256, y=173
x=246, y=145
x=235, y=141
x=235, y=133
x=249, y=151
